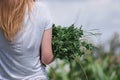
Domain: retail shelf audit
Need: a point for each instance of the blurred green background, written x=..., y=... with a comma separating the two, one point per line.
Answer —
x=92, y=64
x=101, y=17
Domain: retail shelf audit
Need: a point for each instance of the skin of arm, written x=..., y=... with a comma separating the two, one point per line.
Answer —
x=46, y=48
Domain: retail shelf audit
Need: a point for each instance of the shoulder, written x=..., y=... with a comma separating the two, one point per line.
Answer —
x=42, y=10
x=42, y=6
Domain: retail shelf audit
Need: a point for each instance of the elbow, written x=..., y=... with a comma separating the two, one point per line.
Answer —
x=47, y=59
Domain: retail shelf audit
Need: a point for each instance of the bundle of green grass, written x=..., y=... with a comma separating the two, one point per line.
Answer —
x=67, y=42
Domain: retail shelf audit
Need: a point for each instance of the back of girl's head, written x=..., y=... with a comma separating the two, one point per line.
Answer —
x=12, y=16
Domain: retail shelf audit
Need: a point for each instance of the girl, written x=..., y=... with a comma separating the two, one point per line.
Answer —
x=25, y=36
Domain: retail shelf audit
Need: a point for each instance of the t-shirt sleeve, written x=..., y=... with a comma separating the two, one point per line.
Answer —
x=49, y=24
x=49, y=21
x=47, y=18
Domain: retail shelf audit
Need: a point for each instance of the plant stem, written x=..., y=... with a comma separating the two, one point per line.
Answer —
x=77, y=59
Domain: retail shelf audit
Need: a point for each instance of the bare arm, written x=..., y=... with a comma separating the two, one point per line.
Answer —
x=46, y=47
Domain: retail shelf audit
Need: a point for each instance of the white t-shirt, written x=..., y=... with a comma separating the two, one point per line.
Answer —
x=20, y=59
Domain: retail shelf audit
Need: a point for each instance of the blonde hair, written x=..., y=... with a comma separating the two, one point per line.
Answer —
x=12, y=16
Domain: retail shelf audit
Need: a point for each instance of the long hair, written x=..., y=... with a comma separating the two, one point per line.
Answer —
x=12, y=16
